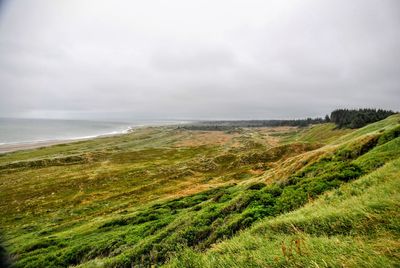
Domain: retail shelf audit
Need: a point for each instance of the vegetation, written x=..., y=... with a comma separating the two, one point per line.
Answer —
x=228, y=125
x=345, y=118
x=4, y=262
x=281, y=196
x=355, y=225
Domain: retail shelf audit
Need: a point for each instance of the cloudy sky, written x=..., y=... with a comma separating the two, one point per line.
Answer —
x=208, y=59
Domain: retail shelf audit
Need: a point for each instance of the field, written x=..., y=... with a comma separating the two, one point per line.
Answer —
x=255, y=197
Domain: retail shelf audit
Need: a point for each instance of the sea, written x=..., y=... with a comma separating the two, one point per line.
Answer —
x=19, y=131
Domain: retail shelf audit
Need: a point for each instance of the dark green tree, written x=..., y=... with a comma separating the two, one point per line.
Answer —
x=345, y=118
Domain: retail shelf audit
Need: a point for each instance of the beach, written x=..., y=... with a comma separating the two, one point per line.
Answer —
x=22, y=134
x=12, y=147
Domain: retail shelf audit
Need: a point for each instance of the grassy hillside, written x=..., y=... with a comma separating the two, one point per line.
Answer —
x=321, y=133
x=139, y=199
x=356, y=225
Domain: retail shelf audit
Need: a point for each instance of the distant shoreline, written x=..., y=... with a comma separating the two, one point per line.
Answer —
x=8, y=147
x=13, y=147
x=19, y=146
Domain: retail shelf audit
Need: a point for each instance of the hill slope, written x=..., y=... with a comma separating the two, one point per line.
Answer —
x=356, y=225
x=139, y=199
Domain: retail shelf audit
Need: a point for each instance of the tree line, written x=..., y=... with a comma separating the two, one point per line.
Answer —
x=356, y=118
x=343, y=118
x=231, y=124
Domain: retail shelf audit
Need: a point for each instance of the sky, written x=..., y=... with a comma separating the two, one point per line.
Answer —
x=219, y=59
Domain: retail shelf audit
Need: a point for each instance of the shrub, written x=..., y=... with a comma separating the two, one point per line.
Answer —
x=389, y=135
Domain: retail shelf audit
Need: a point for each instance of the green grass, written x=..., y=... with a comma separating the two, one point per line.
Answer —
x=378, y=127
x=356, y=225
x=63, y=193
x=379, y=155
x=321, y=133
x=141, y=198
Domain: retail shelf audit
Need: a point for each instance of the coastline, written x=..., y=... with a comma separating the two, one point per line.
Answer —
x=19, y=146
x=13, y=147
x=28, y=145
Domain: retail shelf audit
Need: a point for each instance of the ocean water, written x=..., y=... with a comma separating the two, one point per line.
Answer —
x=14, y=131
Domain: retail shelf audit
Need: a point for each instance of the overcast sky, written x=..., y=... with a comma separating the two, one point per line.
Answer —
x=197, y=59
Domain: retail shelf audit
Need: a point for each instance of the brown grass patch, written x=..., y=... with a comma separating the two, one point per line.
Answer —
x=199, y=138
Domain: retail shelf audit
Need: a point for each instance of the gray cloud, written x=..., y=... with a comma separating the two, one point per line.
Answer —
x=205, y=59
x=190, y=60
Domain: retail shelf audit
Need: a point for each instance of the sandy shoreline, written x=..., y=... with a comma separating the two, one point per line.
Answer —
x=7, y=148
x=13, y=147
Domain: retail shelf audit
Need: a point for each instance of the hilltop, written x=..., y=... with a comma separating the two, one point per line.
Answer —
x=261, y=196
